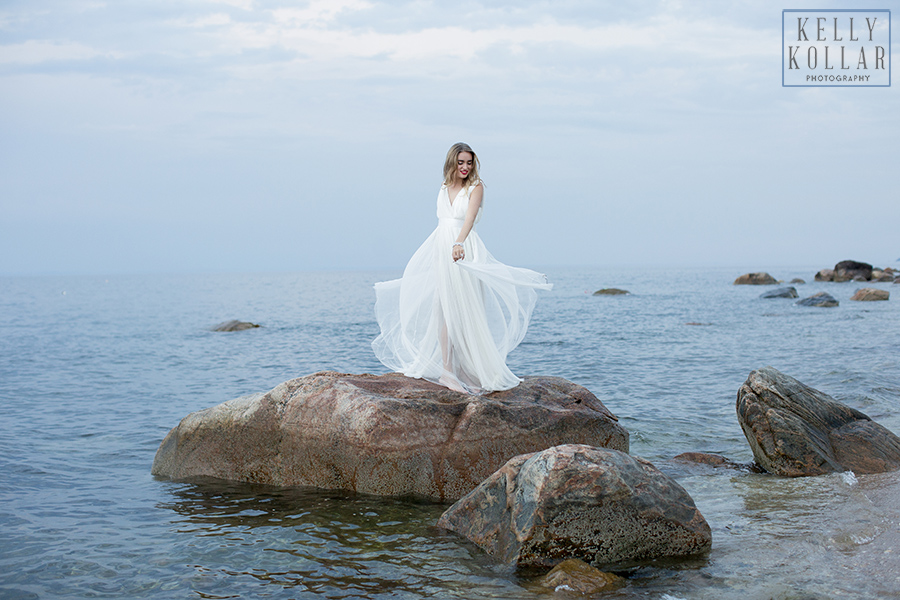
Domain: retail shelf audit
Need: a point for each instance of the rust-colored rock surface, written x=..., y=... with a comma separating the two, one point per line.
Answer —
x=755, y=279
x=387, y=434
x=578, y=577
x=870, y=294
x=575, y=501
x=795, y=430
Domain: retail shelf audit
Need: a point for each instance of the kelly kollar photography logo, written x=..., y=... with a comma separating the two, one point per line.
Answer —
x=836, y=48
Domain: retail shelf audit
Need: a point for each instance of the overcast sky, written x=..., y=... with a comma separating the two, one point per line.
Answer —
x=256, y=135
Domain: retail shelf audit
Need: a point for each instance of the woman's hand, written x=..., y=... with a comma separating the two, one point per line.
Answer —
x=458, y=252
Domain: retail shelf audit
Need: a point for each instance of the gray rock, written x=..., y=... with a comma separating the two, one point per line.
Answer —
x=798, y=281
x=870, y=294
x=825, y=275
x=795, y=430
x=784, y=292
x=575, y=501
x=388, y=435
x=234, y=325
x=611, y=292
x=822, y=299
x=755, y=279
x=848, y=270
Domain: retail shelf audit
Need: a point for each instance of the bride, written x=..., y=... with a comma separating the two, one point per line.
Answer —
x=457, y=311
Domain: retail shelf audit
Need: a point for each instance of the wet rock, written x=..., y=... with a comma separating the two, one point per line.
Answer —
x=870, y=294
x=611, y=292
x=577, y=576
x=716, y=461
x=798, y=281
x=234, y=325
x=847, y=270
x=883, y=277
x=825, y=275
x=822, y=299
x=755, y=279
x=795, y=430
x=575, y=501
x=389, y=434
x=784, y=292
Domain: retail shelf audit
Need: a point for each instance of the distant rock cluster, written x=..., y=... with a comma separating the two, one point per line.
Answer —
x=852, y=270
x=846, y=270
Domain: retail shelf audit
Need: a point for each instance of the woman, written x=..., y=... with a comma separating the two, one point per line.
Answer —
x=457, y=311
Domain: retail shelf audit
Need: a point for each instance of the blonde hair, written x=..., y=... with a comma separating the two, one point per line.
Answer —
x=450, y=164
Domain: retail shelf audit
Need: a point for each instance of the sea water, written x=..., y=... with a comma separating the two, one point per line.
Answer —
x=94, y=371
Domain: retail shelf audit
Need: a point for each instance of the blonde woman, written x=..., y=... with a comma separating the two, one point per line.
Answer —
x=457, y=311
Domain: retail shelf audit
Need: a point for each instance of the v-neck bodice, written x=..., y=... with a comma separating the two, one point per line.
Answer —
x=457, y=207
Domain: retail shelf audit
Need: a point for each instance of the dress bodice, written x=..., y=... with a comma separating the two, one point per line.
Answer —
x=456, y=209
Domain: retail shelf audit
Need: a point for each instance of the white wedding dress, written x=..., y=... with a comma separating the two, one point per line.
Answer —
x=453, y=323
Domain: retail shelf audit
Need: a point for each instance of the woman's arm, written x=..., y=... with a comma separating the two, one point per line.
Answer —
x=471, y=213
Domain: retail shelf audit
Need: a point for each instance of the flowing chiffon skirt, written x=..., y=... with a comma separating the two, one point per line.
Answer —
x=454, y=323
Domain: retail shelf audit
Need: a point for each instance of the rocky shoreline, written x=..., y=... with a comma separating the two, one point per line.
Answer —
x=539, y=474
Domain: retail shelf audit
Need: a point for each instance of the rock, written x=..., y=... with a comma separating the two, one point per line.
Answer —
x=234, y=325
x=388, y=434
x=577, y=576
x=884, y=277
x=795, y=430
x=797, y=280
x=611, y=292
x=575, y=501
x=847, y=270
x=785, y=292
x=755, y=279
x=822, y=299
x=712, y=460
x=825, y=275
x=869, y=294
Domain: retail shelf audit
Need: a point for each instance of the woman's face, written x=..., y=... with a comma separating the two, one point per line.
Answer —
x=464, y=163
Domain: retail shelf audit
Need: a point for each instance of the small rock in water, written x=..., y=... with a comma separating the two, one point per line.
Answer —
x=234, y=325
x=574, y=575
x=611, y=292
x=797, y=280
x=785, y=292
x=755, y=279
x=577, y=501
x=870, y=294
x=823, y=299
x=825, y=275
x=795, y=430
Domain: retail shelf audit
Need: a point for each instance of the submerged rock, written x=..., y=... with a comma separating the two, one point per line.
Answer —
x=823, y=299
x=798, y=281
x=577, y=576
x=714, y=460
x=755, y=279
x=848, y=270
x=870, y=294
x=574, y=501
x=785, y=292
x=611, y=292
x=795, y=430
x=234, y=325
x=388, y=434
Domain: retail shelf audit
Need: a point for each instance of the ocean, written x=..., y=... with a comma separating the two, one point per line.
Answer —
x=94, y=371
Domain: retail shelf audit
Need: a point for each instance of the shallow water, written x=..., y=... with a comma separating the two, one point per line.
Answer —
x=94, y=372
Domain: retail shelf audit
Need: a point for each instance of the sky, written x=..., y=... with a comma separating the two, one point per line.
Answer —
x=157, y=136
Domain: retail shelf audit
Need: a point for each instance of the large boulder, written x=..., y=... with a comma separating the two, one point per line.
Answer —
x=869, y=294
x=389, y=435
x=755, y=279
x=782, y=292
x=575, y=501
x=822, y=299
x=848, y=270
x=795, y=430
